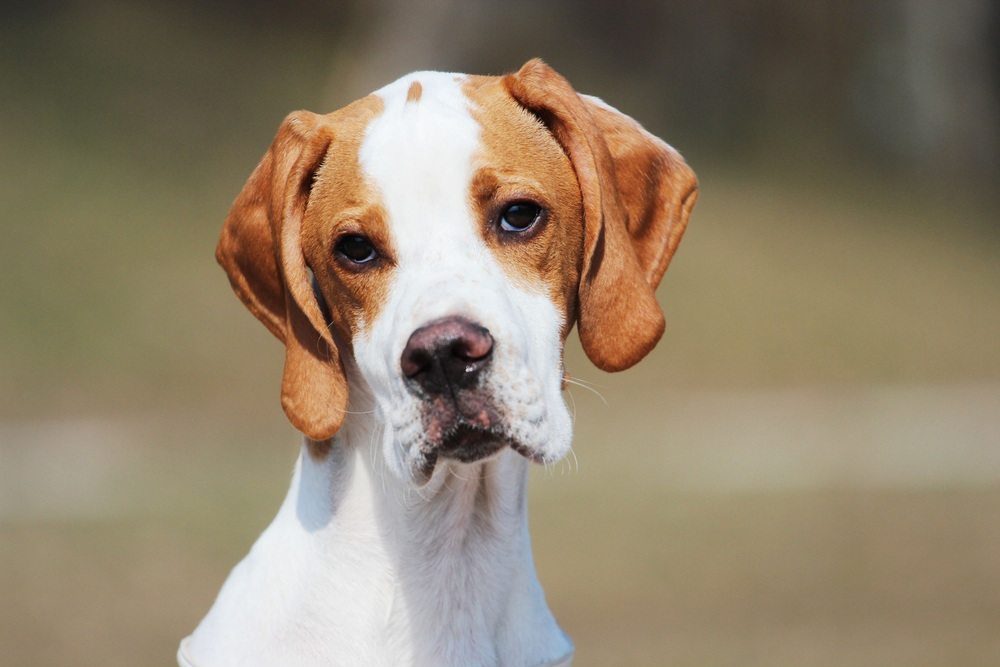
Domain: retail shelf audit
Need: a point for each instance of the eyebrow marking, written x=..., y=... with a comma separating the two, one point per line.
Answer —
x=414, y=92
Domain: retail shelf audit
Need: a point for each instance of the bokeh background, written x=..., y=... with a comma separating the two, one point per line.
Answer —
x=806, y=472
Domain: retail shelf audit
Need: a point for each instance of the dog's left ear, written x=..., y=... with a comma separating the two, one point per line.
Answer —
x=261, y=251
x=637, y=196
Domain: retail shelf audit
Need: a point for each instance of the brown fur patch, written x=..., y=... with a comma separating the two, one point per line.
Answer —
x=260, y=249
x=637, y=194
x=520, y=160
x=343, y=203
x=414, y=92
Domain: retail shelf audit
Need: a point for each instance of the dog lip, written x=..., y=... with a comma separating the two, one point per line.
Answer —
x=465, y=427
x=529, y=453
x=468, y=443
x=444, y=416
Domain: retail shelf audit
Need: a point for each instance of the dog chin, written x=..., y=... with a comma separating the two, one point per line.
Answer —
x=468, y=445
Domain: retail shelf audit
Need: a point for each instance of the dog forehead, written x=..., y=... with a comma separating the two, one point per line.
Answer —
x=437, y=137
x=442, y=153
x=418, y=154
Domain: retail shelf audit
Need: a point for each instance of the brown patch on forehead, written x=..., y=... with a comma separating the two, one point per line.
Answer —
x=520, y=160
x=414, y=92
x=342, y=202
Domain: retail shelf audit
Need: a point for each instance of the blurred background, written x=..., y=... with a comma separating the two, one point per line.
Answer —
x=806, y=472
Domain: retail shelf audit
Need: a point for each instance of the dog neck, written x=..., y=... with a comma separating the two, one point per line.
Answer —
x=362, y=568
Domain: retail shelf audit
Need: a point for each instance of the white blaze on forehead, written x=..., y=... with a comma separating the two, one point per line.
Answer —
x=419, y=156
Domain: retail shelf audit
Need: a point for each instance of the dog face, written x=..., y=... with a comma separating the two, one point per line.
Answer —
x=431, y=246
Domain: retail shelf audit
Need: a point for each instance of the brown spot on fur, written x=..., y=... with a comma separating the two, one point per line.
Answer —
x=260, y=249
x=520, y=160
x=343, y=203
x=637, y=194
x=414, y=92
x=308, y=188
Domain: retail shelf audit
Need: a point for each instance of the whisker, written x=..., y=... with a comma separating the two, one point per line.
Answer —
x=581, y=381
x=576, y=461
x=377, y=434
x=420, y=492
x=588, y=388
x=358, y=412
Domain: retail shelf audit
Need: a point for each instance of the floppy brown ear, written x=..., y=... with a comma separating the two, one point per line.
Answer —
x=637, y=196
x=260, y=250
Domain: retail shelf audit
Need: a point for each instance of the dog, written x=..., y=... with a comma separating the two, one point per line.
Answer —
x=423, y=253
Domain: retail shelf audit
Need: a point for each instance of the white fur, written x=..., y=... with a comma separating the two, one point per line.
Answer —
x=362, y=566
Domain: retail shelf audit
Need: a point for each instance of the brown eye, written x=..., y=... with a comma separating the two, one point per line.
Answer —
x=355, y=248
x=520, y=217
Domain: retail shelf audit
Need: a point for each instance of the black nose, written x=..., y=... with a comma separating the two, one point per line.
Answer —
x=449, y=352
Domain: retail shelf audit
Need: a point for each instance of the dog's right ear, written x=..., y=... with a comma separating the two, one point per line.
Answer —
x=261, y=252
x=637, y=195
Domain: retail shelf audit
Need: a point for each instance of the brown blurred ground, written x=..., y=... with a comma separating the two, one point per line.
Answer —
x=805, y=472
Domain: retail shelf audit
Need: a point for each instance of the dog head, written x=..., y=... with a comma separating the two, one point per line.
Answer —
x=431, y=246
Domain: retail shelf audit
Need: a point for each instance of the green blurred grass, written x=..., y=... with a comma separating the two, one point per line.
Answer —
x=142, y=447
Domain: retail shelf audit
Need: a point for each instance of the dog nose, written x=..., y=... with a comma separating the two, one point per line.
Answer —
x=449, y=352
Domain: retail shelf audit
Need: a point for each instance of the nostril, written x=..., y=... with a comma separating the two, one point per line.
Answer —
x=475, y=345
x=415, y=361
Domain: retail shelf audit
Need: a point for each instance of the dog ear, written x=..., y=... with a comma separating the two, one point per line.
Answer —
x=637, y=196
x=260, y=250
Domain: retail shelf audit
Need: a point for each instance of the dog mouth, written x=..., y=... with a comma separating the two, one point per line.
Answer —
x=469, y=443
x=465, y=425
x=467, y=430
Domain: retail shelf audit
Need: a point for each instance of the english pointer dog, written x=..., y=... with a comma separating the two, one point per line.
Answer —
x=422, y=254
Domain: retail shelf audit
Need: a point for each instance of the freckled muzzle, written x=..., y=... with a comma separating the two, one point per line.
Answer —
x=444, y=363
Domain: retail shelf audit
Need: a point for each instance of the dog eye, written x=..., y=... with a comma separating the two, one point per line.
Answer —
x=520, y=217
x=356, y=248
